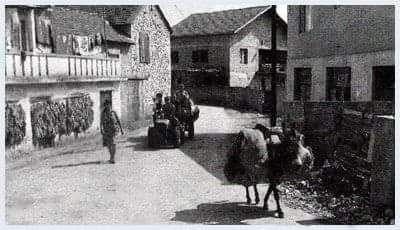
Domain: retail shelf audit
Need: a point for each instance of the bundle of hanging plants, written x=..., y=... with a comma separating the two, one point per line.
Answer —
x=15, y=124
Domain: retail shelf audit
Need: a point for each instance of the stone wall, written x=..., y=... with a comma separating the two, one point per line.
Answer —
x=324, y=122
x=157, y=73
x=383, y=163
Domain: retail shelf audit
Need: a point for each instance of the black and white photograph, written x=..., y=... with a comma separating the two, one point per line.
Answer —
x=199, y=113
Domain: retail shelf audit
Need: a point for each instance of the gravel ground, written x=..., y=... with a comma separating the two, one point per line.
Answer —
x=76, y=185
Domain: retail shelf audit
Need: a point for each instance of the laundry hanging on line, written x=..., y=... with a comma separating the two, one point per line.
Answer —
x=85, y=45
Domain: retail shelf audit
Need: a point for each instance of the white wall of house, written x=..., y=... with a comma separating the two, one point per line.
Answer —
x=255, y=36
x=23, y=94
x=361, y=73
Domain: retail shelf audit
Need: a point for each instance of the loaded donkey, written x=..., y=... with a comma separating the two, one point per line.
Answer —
x=265, y=155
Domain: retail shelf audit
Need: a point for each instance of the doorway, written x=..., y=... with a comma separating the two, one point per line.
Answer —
x=105, y=95
x=383, y=83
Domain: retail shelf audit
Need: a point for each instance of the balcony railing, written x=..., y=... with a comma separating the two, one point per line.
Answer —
x=266, y=68
x=55, y=67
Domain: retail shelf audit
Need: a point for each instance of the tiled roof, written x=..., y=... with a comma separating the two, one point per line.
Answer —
x=220, y=22
x=78, y=22
x=118, y=14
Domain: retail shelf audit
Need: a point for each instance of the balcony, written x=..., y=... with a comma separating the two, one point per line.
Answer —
x=51, y=68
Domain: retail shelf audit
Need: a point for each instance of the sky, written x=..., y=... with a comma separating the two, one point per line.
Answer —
x=179, y=11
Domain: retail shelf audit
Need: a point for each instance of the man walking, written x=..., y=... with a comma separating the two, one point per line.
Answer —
x=109, y=126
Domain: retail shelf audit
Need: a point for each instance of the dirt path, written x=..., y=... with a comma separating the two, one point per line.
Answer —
x=76, y=185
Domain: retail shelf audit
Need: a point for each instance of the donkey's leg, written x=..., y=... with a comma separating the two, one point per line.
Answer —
x=265, y=207
x=248, y=195
x=256, y=194
x=278, y=205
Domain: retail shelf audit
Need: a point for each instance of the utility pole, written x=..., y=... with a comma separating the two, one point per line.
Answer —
x=273, y=116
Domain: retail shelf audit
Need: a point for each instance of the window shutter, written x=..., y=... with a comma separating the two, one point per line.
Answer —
x=141, y=48
x=146, y=48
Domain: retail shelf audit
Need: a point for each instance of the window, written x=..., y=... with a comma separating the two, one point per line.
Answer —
x=144, y=48
x=305, y=18
x=302, y=84
x=243, y=56
x=383, y=86
x=175, y=57
x=338, y=86
x=200, y=56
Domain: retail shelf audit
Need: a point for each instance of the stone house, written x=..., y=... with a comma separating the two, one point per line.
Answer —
x=117, y=52
x=340, y=53
x=234, y=43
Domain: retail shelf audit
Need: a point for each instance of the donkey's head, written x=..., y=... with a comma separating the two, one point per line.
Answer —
x=299, y=157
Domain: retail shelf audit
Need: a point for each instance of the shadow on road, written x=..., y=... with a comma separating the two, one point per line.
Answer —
x=206, y=149
x=209, y=151
x=313, y=222
x=222, y=213
x=80, y=164
x=140, y=143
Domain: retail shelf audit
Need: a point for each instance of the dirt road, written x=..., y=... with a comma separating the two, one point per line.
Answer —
x=76, y=185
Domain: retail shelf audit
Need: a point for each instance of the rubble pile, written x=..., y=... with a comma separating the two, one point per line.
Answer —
x=15, y=124
x=333, y=197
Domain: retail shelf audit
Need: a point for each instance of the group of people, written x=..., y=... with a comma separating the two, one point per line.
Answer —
x=171, y=106
x=110, y=124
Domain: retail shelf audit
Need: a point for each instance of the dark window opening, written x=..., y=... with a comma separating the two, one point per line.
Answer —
x=302, y=19
x=243, y=56
x=105, y=95
x=302, y=84
x=200, y=56
x=144, y=48
x=383, y=83
x=338, y=86
x=23, y=36
x=175, y=57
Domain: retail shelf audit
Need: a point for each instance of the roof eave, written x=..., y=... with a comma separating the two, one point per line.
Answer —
x=120, y=41
x=251, y=20
x=200, y=35
x=164, y=19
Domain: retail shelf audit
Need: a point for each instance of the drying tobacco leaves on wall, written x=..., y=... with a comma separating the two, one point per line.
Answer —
x=15, y=124
x=79, y=114
x=52, y=118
